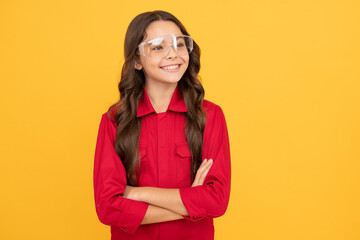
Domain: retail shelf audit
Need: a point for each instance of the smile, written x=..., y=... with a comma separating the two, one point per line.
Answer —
x=171, y=67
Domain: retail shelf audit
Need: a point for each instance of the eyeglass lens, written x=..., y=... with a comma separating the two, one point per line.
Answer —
x=159, y=47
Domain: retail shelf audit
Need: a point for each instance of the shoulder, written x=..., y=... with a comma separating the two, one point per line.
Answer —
x=215, y=119
x=211, y=109
x=214, y=113
x=109, y=117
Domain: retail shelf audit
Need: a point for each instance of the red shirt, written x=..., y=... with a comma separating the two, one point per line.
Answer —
x=165, y=163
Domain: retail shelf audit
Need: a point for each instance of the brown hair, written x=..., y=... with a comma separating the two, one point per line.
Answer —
x=131, y=91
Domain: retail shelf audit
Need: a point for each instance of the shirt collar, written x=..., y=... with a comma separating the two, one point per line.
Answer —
x=176, y=104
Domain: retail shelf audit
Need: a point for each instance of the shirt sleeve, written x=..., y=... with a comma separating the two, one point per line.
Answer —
x=110, y=182
x=211, y=199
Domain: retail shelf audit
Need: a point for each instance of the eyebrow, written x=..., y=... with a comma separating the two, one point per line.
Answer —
x=156, y=40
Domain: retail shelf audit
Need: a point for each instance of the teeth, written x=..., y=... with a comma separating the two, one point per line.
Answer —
x=171, y=67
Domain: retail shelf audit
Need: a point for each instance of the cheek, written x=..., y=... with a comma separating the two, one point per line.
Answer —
x=186, y=65
x=149, y=66
x=186, y=60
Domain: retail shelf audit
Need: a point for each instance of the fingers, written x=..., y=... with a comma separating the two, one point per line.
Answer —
x=202, y=172
x=198, y=173
x=205, y=172
x=127, y=192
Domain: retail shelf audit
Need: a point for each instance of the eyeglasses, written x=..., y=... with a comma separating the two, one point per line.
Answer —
x=159, y=47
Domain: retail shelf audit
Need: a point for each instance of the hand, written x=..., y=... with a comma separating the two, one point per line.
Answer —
x=128, y=191
x=202, y=172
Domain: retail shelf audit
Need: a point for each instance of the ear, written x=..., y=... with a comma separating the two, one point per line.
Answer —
x=138, y=66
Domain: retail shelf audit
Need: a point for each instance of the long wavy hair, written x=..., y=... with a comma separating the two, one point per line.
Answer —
x=131, y=87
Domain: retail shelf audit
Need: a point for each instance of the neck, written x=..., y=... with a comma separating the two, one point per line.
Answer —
x=160, y=95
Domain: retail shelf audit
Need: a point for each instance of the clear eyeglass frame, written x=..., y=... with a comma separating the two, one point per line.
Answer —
x=155, y=48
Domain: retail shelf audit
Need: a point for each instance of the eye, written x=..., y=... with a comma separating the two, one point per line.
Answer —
x=180, y=42
x=157, y=48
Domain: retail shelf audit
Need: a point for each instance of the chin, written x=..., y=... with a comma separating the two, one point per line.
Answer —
x=172, y=79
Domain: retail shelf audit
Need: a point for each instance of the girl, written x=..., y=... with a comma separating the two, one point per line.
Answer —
x=162, y=158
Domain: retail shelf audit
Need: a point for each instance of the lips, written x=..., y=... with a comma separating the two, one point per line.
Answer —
x=171, y=67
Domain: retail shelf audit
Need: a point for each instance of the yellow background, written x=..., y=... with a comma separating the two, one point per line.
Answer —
x=286, y=74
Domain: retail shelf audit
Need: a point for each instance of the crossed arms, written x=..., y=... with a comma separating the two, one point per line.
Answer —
x=165, y=204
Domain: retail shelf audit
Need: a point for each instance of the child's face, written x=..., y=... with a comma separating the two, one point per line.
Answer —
x=156, y=69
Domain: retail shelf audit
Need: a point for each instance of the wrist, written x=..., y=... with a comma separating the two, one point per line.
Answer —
x=138, y=194
x=132, y=193
x=141, y=193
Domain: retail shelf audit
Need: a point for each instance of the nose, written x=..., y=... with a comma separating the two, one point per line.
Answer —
x=171, y=53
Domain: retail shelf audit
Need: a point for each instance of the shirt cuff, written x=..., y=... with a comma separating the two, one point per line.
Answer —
x=133, y=214
x=192, y=198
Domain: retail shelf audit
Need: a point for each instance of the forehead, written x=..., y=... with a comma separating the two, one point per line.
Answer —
x=161, y=28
